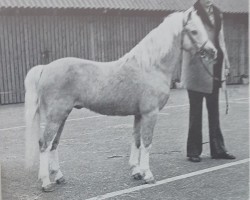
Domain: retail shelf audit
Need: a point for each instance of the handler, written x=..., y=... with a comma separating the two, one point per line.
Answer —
x=204, y=81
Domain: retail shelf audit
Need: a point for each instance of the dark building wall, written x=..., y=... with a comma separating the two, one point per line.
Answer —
x=236, y=37
x=29, y=38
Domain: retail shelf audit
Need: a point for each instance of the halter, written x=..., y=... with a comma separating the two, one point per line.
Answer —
x=200, y=51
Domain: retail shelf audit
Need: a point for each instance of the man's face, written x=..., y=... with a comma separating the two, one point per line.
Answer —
x=206, y=3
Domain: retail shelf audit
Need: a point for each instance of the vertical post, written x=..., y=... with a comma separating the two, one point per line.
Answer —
x=242, y=48
x=92, y=40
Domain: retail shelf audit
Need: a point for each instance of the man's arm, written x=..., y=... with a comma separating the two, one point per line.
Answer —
x=223, y=47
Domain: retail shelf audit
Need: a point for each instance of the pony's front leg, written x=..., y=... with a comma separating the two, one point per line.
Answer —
x=135, y=151
x=147, y=127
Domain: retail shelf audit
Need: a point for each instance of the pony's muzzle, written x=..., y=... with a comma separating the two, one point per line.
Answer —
x=213, y=53
x=208, y=53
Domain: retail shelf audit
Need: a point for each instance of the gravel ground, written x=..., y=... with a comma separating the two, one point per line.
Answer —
x=94, y=152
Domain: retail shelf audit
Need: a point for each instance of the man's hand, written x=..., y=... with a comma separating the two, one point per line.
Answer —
x=227, y=72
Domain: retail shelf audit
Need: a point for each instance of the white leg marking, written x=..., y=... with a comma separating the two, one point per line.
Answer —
x=144, y=161
x=53, y=160
x=44, y=168
x=144, y=164
x=134, y=155
x=134, y=160
x=54, y=164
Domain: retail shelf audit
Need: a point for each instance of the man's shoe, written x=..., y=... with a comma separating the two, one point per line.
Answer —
x=194, y=158
x=224, y=156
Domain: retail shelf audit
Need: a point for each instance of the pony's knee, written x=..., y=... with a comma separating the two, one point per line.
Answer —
x=42, y=145
x=137, y=139
x=147, y=140
x=138, y=143
x=54, y=145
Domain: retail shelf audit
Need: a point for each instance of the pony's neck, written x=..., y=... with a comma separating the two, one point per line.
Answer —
x=171, y=59
x=170, y=47
x=161, y=47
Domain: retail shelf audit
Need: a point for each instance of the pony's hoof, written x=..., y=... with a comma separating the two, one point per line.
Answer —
x=150, y=181
x=137, y=176
x=61, y=181
x=49, y=188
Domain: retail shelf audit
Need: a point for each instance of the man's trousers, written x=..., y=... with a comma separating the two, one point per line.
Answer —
x=194, y=143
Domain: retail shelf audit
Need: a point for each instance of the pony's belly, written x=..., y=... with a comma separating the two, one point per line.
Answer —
x=114, y=110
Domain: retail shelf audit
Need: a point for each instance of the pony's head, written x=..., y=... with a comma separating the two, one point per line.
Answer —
x=195, y=38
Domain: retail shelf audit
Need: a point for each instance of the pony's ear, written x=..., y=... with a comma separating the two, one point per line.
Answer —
x=187, y=17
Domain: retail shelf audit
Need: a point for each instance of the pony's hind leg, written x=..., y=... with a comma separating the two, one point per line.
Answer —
x=45, y=144
x=50, y=137
x=135, y=151
x=54, y=166
x=147, y=127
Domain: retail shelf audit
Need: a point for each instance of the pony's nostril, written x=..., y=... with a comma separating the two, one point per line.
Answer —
x=202, y=53
x=214, y=54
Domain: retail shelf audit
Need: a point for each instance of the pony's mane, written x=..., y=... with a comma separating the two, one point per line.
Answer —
x=158, y=42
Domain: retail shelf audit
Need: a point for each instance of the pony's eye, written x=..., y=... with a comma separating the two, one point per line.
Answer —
x=194, y=32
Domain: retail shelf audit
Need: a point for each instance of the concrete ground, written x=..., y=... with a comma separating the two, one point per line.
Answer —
x=94, y=152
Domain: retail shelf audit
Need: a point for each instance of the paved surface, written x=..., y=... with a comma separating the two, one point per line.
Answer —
x=94, y=152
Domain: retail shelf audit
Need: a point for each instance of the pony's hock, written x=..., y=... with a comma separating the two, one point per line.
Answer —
x=137, y=84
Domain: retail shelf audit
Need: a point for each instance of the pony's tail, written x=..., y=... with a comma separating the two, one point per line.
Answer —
x=32, y=116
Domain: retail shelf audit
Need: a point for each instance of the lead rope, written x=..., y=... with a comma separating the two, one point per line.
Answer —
x=226, y=97
x=215, y=78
